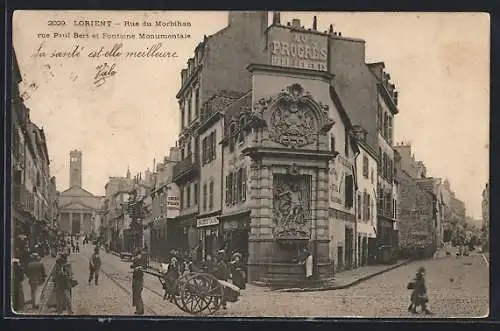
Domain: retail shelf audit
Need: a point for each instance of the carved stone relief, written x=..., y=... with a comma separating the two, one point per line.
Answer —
x=291, y=206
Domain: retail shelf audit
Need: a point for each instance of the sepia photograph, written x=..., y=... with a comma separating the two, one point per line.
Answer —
x=250, y=164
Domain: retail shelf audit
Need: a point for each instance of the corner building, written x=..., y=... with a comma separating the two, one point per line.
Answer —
x=268, y=149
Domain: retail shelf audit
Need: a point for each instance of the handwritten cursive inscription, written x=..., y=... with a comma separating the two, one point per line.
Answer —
x=104, y=71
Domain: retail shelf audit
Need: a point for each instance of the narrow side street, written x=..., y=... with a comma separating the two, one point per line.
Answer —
x=457, y=286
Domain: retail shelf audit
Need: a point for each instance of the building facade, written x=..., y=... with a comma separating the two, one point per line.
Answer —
x=78, y=207
x=165, y=209
x=271, y=132
x=34, y=209
x=366, y=204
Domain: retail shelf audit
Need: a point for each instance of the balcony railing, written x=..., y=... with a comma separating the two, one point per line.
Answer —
x=186, y=168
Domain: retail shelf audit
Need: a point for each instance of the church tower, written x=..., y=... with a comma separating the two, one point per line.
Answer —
x=75, y=168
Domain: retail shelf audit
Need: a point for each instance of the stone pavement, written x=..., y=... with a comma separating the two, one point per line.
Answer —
x=457, y=287
x=348, y=278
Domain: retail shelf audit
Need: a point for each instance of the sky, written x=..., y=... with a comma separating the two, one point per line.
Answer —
x=439, y=63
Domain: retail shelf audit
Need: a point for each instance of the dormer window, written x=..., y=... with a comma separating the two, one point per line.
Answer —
x=242, y=129
x=232, y=131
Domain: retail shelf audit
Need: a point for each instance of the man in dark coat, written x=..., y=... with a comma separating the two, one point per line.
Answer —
x=221, y=272
x=17, y=285
x=35, y=271
x=63, y=279
x=419, y=293
x=94, y=266
x=137, y=283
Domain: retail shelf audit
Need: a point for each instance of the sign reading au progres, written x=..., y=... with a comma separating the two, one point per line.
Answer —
x=303, y=50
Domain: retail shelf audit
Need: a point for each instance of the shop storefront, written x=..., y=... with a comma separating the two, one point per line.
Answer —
x=209, y=235
x=236, y=231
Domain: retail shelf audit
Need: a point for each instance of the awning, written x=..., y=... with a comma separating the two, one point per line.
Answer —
x=367, y=229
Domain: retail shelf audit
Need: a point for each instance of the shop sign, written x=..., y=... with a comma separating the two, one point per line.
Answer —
x=173, y=202
x=207, y=222
x=299, y=50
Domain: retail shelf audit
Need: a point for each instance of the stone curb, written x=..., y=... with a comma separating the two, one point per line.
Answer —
x=344, y=286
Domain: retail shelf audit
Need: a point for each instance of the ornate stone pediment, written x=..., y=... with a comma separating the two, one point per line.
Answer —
x=293, y=117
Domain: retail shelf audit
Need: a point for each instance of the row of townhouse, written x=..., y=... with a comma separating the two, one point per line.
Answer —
x=34, y=197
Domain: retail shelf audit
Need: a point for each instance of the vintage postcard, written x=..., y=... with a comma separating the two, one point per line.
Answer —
x=250, y=164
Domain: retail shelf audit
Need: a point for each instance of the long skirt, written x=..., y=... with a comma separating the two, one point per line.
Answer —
x=63, y=300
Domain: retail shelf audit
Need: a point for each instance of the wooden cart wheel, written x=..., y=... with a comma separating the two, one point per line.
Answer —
x=200, y=293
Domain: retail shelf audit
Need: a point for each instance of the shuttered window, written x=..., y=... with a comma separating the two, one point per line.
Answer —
x=229, y=189
x=211, y=195
x=349, y=194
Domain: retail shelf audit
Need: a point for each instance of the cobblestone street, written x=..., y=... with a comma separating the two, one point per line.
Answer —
x=457, y=287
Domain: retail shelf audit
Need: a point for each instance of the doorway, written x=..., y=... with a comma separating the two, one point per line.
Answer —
x=349, y=243
x=75, y=226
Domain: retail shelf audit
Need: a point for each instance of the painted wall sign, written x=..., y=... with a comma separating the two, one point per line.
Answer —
x=299, y=50
x=173, y=203
x=340, y=168
x=207, y=222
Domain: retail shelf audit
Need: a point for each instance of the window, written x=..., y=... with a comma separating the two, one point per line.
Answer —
x=394, y=207
x=349, y=196
x=388, y=205
x=365, y=166
x=183, y=115
x=244, y=184
x=379, y=164
x=211, y=195
x=380, y=205
x=196, y=149
x=368, y=207
x=197, y=101
x=386, y=126
x=229, y=188
x=182, y=153
x=379, y=118
x=196, y=193
x=232, y=129
x=181, y=196
x=188, y=152
x=240, y=185
x=213, y=144
x=188, y=196
x=204, y=151
x=371, y=176
x=189, y=110
x=242, y=130
x=205, y=197
x=390, y=169
x=389, y=131
x=332, y=143
x=346, y=142
x=235, y=188
x=359, y=206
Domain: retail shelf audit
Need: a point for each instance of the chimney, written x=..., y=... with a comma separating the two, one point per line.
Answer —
x=315, y=23
x=296, y=23
x=276, y=18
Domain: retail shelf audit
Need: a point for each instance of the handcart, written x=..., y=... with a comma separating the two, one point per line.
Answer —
x=196, y=293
